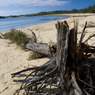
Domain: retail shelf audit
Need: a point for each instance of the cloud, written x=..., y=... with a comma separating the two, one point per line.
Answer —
x=32, y=2
x=16, y=12
x=7, y=12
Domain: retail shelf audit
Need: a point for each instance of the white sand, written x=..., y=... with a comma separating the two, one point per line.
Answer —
x=13, y=59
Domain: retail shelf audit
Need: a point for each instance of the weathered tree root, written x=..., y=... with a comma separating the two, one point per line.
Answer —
x=70, y=70
x=37, y=75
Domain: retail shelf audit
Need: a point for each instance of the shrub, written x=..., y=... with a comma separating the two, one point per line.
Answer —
x=20, y=38
x=35, y=55
x=17, y=36
x=9, y=35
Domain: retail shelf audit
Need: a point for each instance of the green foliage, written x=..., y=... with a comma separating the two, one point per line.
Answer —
x=17, y=36
x=74, y=11
x=9, y=35
x=20, y=38
x=90, y=9
x=93, y=9
x=35, y=55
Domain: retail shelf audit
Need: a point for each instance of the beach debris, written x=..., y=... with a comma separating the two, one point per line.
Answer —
x=70, y=71
x=2, y=36
x=34, y=38
x=43, y=48
x=90, y=24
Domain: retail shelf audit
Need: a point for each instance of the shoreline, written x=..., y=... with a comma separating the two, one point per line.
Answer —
x=68, y=15
x=38, y=20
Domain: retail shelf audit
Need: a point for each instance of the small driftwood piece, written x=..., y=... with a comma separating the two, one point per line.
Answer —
x=34, y=38
x=47, y=49
x=1, y=35
x=93, y=35
x=83, y=34
x=90, y=24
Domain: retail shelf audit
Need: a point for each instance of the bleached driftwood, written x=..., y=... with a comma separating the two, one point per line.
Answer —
x=90, y=24
x=1, y=35
x=34, y=38
x=47, y=49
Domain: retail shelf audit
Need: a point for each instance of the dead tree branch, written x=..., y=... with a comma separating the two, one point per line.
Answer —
x=82, y=34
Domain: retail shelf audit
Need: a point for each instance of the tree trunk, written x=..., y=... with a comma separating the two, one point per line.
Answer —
x=62, y=53
x=65, y=39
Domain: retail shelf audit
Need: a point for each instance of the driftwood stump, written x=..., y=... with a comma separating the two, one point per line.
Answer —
x=69, y=70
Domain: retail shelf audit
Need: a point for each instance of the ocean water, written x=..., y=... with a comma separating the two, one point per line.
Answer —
x=19, y=22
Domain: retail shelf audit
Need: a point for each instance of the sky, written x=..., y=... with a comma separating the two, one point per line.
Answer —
x=19, y=7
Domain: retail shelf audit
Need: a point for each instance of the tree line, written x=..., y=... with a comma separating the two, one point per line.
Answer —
x=90, y=9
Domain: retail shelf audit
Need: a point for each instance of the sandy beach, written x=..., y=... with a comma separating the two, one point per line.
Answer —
x=13, y=58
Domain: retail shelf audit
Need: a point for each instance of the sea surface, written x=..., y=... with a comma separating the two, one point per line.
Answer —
x=19, y=22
